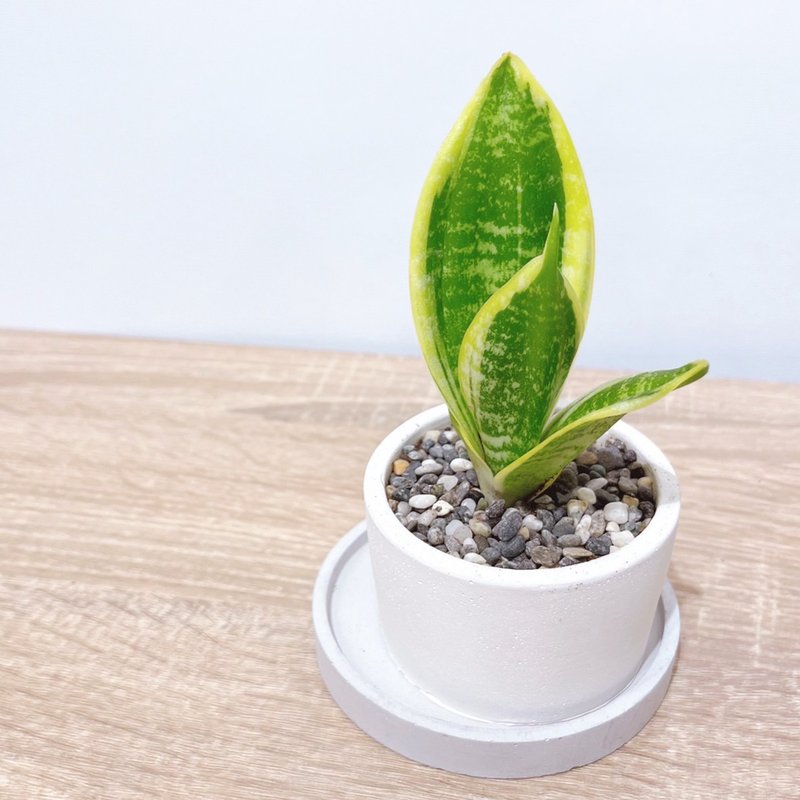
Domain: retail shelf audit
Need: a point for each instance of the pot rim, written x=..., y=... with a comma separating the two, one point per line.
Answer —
x=655, y=535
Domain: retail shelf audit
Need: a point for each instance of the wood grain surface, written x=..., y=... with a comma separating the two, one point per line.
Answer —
x=160, y=534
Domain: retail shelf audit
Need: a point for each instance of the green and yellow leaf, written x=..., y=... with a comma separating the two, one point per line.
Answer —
x=580, y=423
x=516, y=354
x=485, y=212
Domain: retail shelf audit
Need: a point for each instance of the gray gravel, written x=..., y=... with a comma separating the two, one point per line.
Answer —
x=599, y=504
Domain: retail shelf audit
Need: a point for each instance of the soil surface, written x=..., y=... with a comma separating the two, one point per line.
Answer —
x=598, y=505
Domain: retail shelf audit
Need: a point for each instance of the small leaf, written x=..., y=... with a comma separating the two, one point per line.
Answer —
x=580, y=423
x=484, y=213
x=516, y=355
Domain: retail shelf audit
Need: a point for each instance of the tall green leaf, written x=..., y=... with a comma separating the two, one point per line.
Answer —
x=516, y=354
x=581, y=422
x=484, y=213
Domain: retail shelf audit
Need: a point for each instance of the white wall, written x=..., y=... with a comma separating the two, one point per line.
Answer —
x=247, y=172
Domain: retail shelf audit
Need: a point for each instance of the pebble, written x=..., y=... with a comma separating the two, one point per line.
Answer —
x=474, y=558
x=548, y=540
x=491, y=555
x=547, y=518
x=597, y=483
x=610, y=457
x=621, y=538
x=587, y=495
x=436, y=536
x=532, y=523
x=400, y=465
x=583, y=530
x=429, y=467
x=546, y=556
x=616, y=512
x=508, y=526
x=599, y=546
x=587, y=458
x=612, y=526
x=448, y=482
x=456, y=525
x=575, y=508
x=481, y=542
x=469, y=545
x=628, y=486
x=495, y=510
x=564, y=526
x=469, y=504
x=452, y=544
x=460, y=464
x=570, y=540
x=598, y=523
x=426, y=518
x=403, y=508
x=578, y=553
x=422, y=501
x=512, y=548
x=442, y=508
x=480, y=528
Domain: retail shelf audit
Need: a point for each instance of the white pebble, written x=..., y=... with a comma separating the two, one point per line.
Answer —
x=467, y=503
x=422, y=501
x=454, y=528
x=403, y=508
x=433, y=435
x=429, y=467
x=442, y=508
x=611, y=526
x=532, y=523
x=469, y=545
x=596, y=483
x=426, y=518
x=460, y=464
x=575, y=509
x=616, y=512
x=448, y=482
x=474, y=558
x=583, y=528
x=451, y=436
x=614, y=549
x=621, y=538
x=586, y=494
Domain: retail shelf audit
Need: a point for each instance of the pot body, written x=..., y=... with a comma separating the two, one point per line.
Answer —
x=516, y=645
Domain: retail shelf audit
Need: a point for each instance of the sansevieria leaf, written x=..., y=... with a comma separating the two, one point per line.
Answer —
x=485, y=212
x=516, y=354
x=581, y=422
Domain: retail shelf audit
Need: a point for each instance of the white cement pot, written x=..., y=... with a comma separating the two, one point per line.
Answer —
x=528, y=646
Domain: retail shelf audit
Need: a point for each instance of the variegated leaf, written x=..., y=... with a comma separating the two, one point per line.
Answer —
x=516, y=354
x=484, y=213
x=581, y=422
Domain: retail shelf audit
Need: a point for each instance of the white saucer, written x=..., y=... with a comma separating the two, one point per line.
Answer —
x=370, y=688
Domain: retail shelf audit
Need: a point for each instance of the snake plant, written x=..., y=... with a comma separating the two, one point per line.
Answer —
x=502, y=264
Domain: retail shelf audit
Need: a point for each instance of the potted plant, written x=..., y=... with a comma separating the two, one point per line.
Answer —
x=519, y=549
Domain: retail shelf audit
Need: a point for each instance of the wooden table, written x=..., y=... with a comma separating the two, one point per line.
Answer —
x=161, y=530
